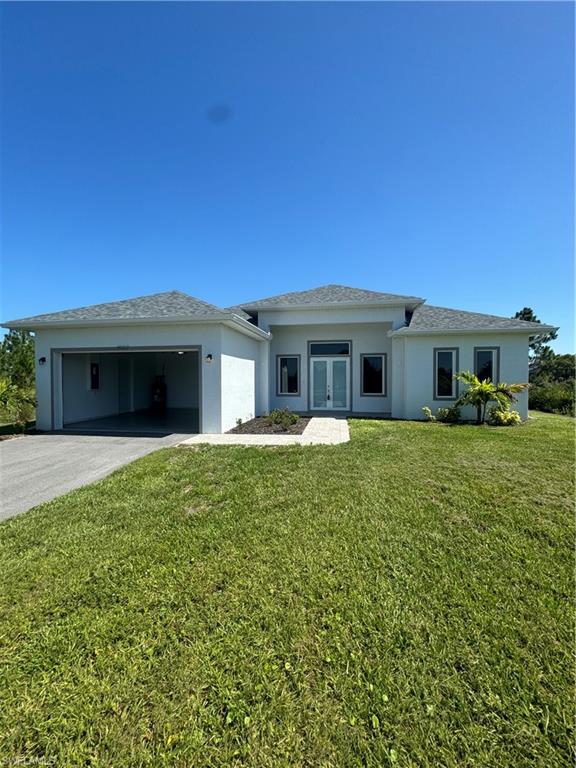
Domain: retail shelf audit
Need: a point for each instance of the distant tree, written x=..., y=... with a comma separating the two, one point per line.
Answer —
x=539, y=344
x=17, y=358
x=556, y=368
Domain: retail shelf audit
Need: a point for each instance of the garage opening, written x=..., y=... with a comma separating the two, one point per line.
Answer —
x=154, y=392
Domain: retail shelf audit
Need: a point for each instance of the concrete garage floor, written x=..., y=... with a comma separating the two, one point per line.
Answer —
x=37, y=468
x=175, y=420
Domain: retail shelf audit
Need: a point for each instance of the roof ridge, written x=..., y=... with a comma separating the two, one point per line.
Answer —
x=321, y=295
x=455, y=309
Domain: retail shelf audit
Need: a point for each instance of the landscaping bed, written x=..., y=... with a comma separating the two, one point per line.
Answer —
x=263, y=425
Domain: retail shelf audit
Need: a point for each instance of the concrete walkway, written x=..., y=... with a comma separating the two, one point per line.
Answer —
x=37, y=468
x=320, y=431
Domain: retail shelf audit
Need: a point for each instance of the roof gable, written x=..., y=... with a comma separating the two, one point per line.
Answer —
x=329, y=295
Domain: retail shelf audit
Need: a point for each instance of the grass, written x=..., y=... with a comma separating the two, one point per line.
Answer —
x=404, y=599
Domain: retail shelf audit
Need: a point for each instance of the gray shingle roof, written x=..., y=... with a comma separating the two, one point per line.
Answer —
x=329, y=294
x=239, y=312
x=178, y=305
x=156, y=306
x=426, y=317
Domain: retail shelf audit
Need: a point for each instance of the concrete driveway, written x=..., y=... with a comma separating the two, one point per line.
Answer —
x=37, y=468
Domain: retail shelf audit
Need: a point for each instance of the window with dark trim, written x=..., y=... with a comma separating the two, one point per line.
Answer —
x=373, y=375
x=486, y=363
x=329, y=348
x=288, y=375
x=445, y=366
x=94, y=375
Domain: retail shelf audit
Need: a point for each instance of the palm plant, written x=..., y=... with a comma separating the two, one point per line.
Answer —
x=480, y=393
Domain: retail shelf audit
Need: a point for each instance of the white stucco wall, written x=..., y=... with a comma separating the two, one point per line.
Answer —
x=181, y=372
x=263, y=380
x=239, y=383
x=397, y=377
x=144, y=369
x=394, y=315
x=366, y=338
x=418, y=368
x=205, y=335
x=125, y=383
x=81, y=402
x=136, y=372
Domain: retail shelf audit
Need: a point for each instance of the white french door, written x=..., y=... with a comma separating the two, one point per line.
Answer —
x=329, y=383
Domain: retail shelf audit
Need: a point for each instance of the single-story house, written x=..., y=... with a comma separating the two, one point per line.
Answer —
x=196, y=367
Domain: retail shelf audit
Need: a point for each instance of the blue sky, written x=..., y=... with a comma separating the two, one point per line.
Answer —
x=235, y=151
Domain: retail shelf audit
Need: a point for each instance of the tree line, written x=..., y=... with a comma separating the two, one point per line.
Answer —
x=552, y=377
x=17, y=379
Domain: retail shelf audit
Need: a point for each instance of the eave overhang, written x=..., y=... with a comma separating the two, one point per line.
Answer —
x=407, y=331
x=231, y=319
x=415, y=302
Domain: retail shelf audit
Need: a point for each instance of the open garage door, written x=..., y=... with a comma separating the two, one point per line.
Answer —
x=147, y=392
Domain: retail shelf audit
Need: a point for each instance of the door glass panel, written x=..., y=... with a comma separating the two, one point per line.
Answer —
x=319, y=383
x=339, y=383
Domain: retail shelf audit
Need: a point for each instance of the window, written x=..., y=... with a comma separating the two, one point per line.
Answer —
x=288, y=375
x=329, y=348
x=445, y=366
x=94, y=375
x=486, y=363
x=373, y=370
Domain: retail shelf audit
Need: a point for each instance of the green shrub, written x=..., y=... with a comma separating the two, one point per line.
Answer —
x=428, y=415
x=448, y=415
x=17, y=404
x=17, y=359
x=553, y=397
x=283, y=417
x=500, y=417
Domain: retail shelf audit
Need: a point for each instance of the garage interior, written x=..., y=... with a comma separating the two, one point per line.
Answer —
x=151, y=392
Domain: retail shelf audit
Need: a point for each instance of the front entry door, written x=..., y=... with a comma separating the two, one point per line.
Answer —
x=330, y=383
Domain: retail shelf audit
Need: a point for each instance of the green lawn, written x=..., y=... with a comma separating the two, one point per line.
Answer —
x=404, y=599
